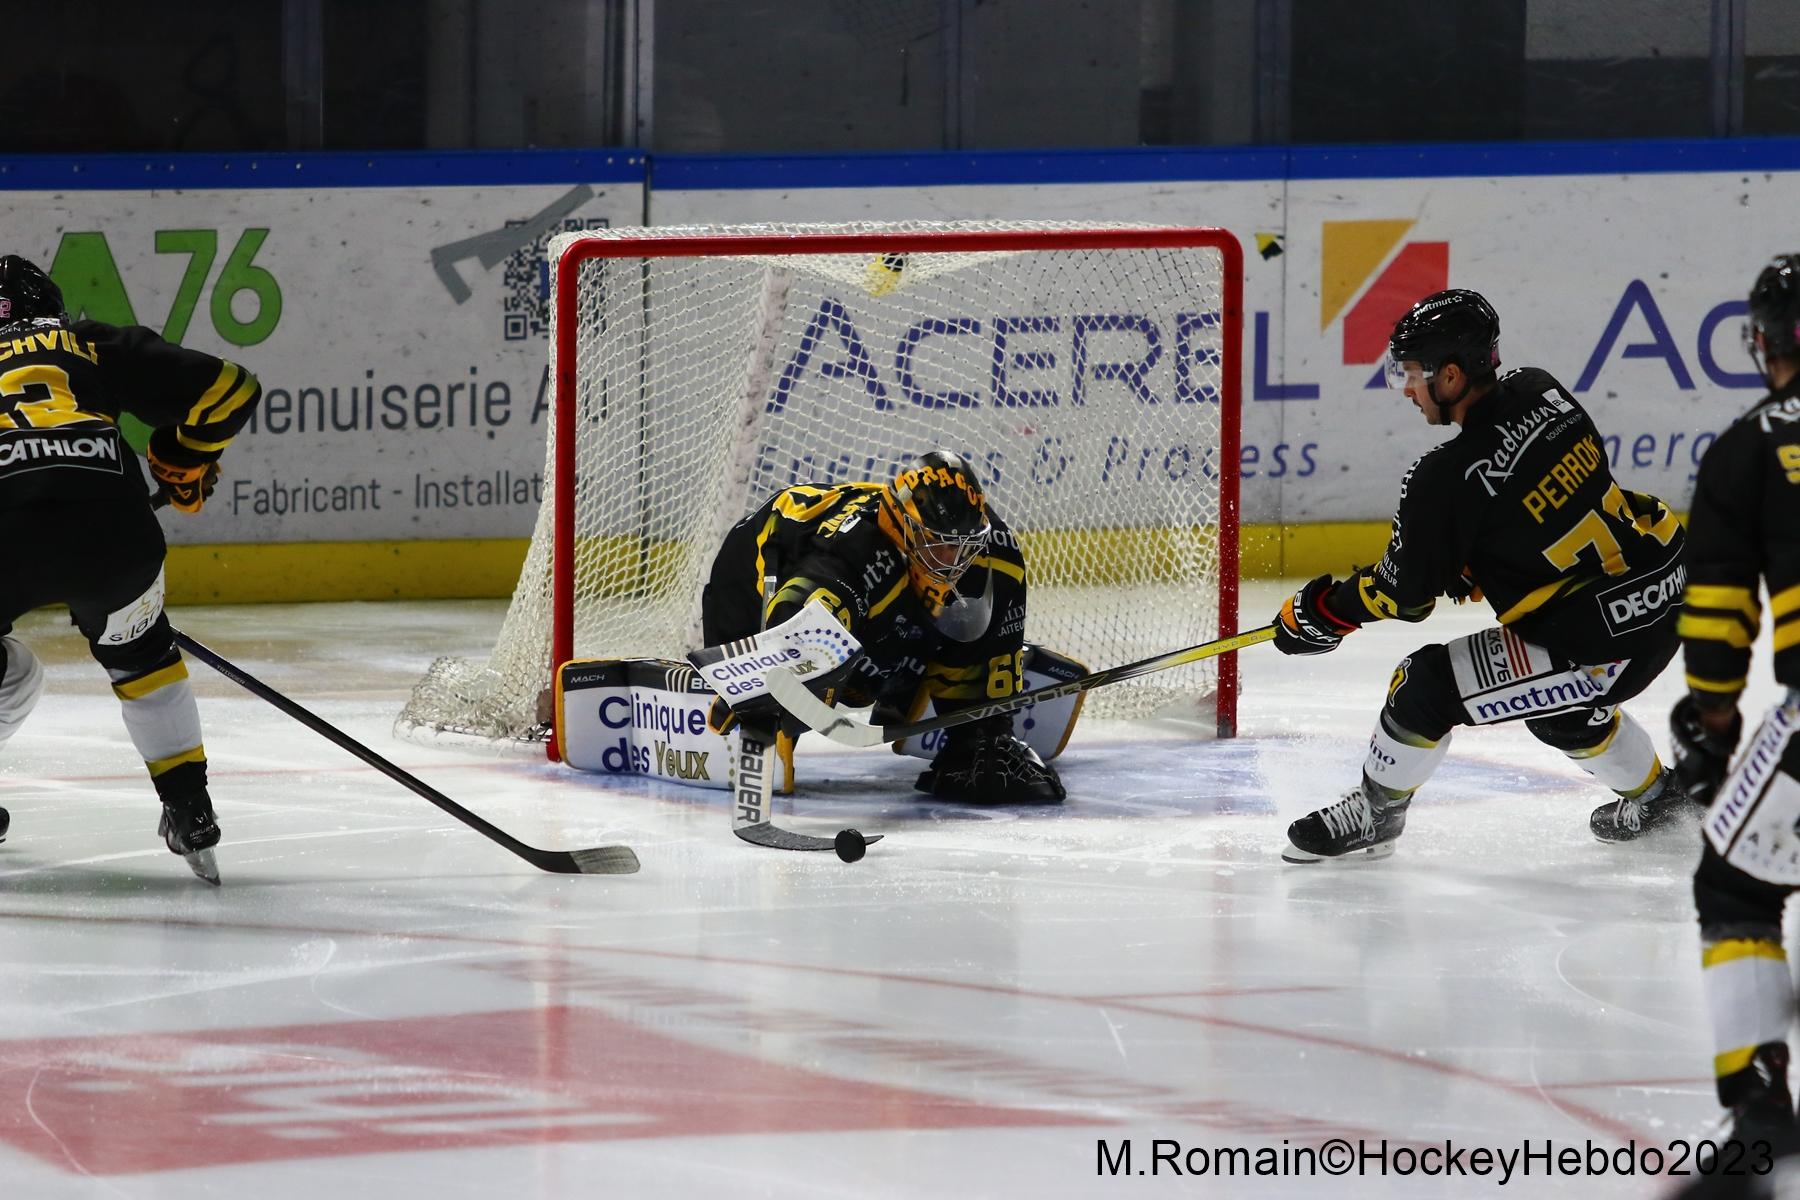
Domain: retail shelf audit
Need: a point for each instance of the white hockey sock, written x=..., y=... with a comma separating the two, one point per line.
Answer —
x=1748, y=996
x=162, y=717
x=1400, y=760
x=1626, y=761
x=21, y=683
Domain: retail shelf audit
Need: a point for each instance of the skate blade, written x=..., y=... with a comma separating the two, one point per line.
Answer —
x=1297, y=856
x=203, y=864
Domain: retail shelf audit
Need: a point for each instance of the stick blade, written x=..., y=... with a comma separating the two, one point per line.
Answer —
x=606, y=860
x=776, y=838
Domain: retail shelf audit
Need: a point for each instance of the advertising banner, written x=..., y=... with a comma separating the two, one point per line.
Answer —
x=398, y=329
x=1628, y=287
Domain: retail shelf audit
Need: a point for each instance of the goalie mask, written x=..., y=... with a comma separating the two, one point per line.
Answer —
x=1774, y=313
x=27, y=293
x=936, y=512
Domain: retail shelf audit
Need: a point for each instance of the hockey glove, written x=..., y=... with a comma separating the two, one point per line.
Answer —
x=1304, y=627
x=184, y=477
x=1702, y=757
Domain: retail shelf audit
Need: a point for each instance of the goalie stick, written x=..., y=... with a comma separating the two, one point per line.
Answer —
x=784, y=684
x=600, y=860
x=814, y=642
x=752, y=783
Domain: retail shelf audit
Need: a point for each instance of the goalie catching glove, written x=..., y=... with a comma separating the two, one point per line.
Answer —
x=184, y=477
x=1304, y=626
x=983, y=763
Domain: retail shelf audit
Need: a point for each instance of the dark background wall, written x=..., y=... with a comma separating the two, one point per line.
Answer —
x=847, y=75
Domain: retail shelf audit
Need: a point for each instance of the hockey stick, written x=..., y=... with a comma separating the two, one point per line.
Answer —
x=600, y=860
x=812, y=641
x=752, y=783
x=792, y=695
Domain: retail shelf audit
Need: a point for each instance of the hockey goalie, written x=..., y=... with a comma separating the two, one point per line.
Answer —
x=921, y=572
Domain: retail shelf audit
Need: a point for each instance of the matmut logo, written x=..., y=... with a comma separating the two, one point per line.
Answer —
x=1371, y=275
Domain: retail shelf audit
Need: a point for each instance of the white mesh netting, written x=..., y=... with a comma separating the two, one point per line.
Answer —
x=1083, y=384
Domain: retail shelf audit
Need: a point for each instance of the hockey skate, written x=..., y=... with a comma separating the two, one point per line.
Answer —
x=5, y=824
x=1656, y=807
x=1364, y=824
x=191, y=830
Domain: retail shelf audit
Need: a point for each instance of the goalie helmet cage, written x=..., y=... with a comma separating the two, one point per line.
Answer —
x=1090, y=372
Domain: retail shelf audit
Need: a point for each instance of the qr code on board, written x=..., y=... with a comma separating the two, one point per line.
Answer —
x=525, y=312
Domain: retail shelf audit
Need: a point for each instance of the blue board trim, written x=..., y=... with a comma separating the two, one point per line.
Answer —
x=722, y=172
x=325, y=169
x=691, y=172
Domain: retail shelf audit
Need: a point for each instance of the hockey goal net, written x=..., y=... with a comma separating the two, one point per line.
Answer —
x=1089, y=372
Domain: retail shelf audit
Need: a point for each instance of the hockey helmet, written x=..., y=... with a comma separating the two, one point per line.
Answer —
x=26, y=292
x=1775, y=311
x=1456, y=326
x=939, y=517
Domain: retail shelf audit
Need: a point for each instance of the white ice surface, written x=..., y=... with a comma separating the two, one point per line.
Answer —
x=381, y=1003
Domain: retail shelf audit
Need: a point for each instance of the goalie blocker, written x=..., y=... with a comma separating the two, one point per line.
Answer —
x=647, y=716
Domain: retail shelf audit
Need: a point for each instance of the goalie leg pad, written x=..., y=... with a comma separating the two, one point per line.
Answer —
x=1044, y=727
x=639, y=716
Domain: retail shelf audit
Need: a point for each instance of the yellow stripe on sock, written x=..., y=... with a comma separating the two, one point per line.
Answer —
x=137, y=689
x=1733, y=1061
x=1655, y=771
x=1596, y=751
x=1732, y=949
x=162, y=765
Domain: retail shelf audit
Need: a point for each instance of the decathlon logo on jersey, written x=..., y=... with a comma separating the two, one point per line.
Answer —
x=1637, y=604
x=26, y=450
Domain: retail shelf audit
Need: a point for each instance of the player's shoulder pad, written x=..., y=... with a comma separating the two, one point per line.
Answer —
x=1774, y=413
x=1534, y=380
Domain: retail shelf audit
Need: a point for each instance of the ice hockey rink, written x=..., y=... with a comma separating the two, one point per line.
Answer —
x=381, y=1002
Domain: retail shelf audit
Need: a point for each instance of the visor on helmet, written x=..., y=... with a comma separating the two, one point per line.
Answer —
x=1404, y=373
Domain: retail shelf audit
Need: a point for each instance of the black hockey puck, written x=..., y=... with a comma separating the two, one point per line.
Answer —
x=850, y=845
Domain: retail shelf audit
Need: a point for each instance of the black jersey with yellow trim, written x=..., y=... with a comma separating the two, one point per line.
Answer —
x=64, y=386
x=1744, y=529
x=827, y=543
x=1522, y=504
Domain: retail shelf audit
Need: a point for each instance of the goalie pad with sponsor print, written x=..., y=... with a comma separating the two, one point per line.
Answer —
x=639, y=716
x=1043, y=727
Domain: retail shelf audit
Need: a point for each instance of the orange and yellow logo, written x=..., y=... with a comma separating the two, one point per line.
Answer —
x=1350, y=253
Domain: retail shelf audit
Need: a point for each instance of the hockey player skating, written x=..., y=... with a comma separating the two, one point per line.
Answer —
x=1519, y=507
x=932, y=583
x=1744, y=529
x=81, y=531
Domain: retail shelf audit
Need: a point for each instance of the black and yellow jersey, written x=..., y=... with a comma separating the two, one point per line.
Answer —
x=63, y=388
x=1522, y=505
x=1740, y=534
x=829, y=544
